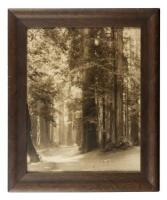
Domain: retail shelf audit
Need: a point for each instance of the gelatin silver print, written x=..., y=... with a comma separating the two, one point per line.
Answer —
x=83, y=91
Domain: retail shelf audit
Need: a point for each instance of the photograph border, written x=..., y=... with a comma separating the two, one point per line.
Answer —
x=19, y=20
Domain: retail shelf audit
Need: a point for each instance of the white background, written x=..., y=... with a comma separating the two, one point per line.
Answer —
x=4, y=5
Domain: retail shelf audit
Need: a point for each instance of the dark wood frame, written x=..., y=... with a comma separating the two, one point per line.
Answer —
x=148, y=178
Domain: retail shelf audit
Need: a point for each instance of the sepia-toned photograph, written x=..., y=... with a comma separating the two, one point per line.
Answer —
x=83, y=99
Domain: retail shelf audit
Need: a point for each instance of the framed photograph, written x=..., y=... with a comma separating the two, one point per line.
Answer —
x=83, y=99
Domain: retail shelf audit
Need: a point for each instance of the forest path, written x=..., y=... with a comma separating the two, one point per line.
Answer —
x=66, y=158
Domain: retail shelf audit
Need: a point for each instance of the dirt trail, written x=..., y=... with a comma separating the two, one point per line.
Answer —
x=67, y=158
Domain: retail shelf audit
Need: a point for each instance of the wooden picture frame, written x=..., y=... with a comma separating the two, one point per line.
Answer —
x=148, y=178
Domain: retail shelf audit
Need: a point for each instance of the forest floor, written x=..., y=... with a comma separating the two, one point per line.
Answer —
x=65, y=158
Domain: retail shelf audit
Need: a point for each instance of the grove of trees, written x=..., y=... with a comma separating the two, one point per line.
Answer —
x=83, y=88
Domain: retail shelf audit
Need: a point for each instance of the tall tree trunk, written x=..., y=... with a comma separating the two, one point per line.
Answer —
x=69, y=133
x=127, y=113
x=30, y=147
x=134, y=130
x=61, y=124
x=34, y=129
x=44, y=132
x=104, y=136
x=89, y=112
x=119, y=85
x=89, y=106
